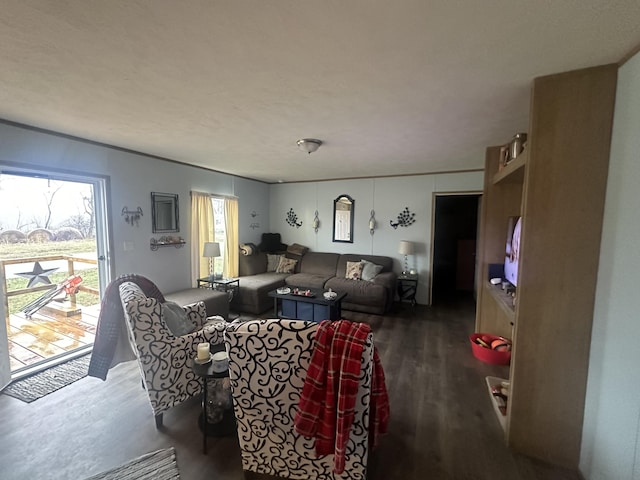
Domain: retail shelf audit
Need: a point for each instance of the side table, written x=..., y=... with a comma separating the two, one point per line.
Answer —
x=407, y=287
x=216, y=418
x=229, y=285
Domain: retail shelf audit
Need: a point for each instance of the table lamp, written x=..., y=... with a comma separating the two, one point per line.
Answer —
x=211, y=250
x=406, y=248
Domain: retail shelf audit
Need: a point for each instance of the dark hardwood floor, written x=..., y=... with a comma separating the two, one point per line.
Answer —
x=442, y=422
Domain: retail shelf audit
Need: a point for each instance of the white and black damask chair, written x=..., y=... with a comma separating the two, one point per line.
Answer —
x=164, y=358
x=268, y=361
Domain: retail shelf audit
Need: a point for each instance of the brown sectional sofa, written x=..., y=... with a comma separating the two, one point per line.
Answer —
x=318, y=270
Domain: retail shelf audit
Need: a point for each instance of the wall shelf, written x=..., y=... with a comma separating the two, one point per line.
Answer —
x=513, y=172
x=155, y=244
x=502, y=417
x=503, y=299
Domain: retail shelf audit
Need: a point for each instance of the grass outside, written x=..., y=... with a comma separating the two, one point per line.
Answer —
x=34, y=250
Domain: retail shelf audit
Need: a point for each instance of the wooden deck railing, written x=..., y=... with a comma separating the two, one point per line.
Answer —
x=71, y=261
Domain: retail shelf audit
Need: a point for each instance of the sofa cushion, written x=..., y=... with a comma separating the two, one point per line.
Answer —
x=341, y=269
x=176, y=319
x=297, y=249
x=253, y=294
x=370, y=270
x=307, y=280
x=252, y=264
x=216, y=303
x=320, y=263
x=248, y=249
x=286, y=265
x=273, y=260
x=359, y=293
x=296, y=252
x=353, y=271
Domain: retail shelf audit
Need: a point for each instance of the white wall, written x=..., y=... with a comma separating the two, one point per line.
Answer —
x=387, y=197
x=132, y=179
x=611, y=434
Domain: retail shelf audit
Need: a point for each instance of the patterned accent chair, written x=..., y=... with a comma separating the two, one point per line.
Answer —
x=164, y=359
x=268, y=361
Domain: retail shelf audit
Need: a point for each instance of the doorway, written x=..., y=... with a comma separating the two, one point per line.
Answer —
x=454, y=246
x=53, y=229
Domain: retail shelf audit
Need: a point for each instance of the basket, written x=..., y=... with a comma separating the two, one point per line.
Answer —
x=489, y=355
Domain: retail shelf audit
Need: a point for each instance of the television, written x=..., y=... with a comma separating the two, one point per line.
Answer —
x=512, y=251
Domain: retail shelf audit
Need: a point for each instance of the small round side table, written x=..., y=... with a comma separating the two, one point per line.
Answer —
x=220, y=406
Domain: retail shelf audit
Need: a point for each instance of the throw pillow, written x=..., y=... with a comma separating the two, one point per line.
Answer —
x=370, y=270
x=272, y=262
x=248, y=249
x=297, y=249
x=286, y=265
x=177, y=319
x=354, y=270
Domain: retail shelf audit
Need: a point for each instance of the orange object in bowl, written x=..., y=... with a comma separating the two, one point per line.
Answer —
x=501, y=344
x=489, y=355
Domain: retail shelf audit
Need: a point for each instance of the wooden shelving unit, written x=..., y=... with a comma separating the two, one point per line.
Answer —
x=504, y=300
x=558, y=188
x=513, y=172
x=502, y=417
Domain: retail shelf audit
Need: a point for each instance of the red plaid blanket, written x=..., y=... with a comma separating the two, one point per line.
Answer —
x=328, y=398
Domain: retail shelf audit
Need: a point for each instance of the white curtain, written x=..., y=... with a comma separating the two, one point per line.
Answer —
x=231, y=245
x=202, y=231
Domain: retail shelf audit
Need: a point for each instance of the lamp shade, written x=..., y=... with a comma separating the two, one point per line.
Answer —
x=211, y=249
x=406, y=247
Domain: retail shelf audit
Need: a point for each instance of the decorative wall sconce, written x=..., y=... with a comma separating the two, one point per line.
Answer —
x=372, y=222
x=405, y=218
x=254, y=224
x=316, y=222
x=292, y=219
x=132, y=216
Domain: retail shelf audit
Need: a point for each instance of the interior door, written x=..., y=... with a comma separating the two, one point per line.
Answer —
x=21, y=189
x=454, y=233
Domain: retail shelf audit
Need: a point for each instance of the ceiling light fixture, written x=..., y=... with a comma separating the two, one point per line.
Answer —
x=309, y=145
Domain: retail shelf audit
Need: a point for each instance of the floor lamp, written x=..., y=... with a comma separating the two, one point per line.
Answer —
x=211, y=250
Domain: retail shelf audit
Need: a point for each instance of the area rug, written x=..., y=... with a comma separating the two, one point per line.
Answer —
x=43, y=383
x=158, y=465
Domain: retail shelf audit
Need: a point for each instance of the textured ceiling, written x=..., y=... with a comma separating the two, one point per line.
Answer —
x=391, y=87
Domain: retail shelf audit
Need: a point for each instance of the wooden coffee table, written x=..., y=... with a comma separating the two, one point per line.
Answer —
x=313, y=307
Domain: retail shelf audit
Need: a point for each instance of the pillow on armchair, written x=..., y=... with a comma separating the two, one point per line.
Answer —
x=177, y=319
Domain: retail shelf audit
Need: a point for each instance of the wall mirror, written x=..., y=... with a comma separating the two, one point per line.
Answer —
x=164, y=212
x=343, y=219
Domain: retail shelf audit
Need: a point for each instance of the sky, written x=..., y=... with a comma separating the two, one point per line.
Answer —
x=24, y=198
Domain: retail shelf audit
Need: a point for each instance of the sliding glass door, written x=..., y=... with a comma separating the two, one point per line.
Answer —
x=54, y=266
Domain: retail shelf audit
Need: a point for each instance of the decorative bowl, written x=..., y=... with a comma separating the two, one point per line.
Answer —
x=329, y=295
x=489, y=355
